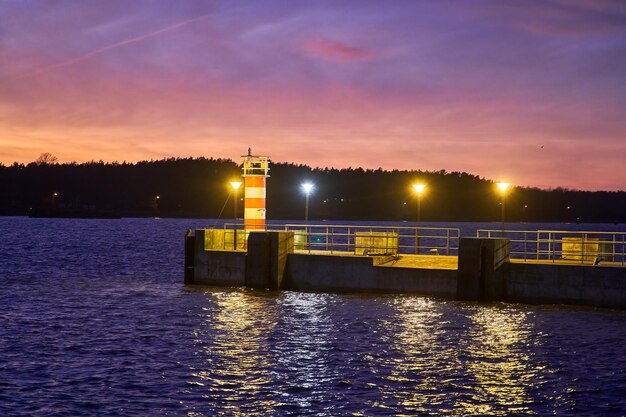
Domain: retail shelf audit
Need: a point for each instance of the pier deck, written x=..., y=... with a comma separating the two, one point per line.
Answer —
x=448, y=262
x=400, y=261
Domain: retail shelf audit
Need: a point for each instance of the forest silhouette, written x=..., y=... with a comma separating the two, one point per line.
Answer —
x=198, y=187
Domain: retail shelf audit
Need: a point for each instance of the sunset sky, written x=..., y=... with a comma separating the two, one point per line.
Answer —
x=533, y=92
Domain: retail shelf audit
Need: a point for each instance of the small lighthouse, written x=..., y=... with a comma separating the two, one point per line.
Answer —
x=255, y=171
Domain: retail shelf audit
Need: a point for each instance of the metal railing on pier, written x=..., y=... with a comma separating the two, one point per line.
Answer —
x=361, y=240
x=563, y=246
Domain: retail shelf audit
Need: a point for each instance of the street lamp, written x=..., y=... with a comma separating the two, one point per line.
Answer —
x=503, y=187
x=235, y=185
x=419, y=189
x=307, y=187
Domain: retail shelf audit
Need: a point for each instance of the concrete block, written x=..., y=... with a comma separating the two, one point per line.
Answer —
x=601, y=286
x=328, y=273
x=220, y=268
x=267, y=256
x=479, y=274
x=586, y=250
x=190, y=250
x=376, y=243
x=307, y=272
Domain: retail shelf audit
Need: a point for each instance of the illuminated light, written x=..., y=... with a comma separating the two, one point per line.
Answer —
x=419, y=188
x=308, y=188
x=158, y=197
x=503, y=186
x=235, y=185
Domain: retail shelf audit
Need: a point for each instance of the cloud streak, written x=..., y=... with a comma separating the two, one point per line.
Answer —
x=337, y=51
x=94, y=53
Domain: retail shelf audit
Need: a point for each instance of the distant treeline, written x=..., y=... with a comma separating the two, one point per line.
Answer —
x=198, y=187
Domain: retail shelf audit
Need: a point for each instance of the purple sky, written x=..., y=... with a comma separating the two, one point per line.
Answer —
x=532, y=92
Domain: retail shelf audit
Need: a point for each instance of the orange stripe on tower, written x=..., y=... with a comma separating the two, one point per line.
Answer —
x=255, y=182
x=257, y=203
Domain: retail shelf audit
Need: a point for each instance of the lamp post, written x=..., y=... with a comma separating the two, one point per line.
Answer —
x=235, y=185
x=307, y=187
x=502, y=186
x=419, y=189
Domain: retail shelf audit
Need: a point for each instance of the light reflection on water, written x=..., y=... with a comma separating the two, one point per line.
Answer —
x=95, y=321
x=304, y=353
x=500, y=365
x=234, y=341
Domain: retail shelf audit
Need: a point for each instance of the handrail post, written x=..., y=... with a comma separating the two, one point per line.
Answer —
x=582, y=249
x=538, y=243
x=525, y=245
x=550, y=255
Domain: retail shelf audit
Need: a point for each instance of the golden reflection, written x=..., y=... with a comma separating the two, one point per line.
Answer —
x=497, y=361
x=234, y=340
x=473, y=363
x=415, y=370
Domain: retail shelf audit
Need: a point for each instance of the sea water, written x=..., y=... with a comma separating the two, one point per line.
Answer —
x=95, y=321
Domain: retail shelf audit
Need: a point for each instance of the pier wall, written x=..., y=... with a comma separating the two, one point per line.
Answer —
x=358, y=273
x=217, y=267
x=601, y=286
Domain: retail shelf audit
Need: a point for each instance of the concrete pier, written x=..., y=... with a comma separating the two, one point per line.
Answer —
x=483, y=271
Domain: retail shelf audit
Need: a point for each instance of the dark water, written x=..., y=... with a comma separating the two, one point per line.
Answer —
x=95, y=321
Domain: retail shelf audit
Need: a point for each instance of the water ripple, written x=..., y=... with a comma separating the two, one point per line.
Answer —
x=95, y=322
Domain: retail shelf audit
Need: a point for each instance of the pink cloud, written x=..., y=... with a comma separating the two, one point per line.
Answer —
x=338, y=51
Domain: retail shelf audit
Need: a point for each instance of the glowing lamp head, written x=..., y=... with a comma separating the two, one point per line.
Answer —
x=503, y=186
x=419, y=188
x=235, y=184
x=307, y=187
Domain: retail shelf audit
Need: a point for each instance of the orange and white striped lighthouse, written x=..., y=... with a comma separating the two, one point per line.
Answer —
x=255, y=171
